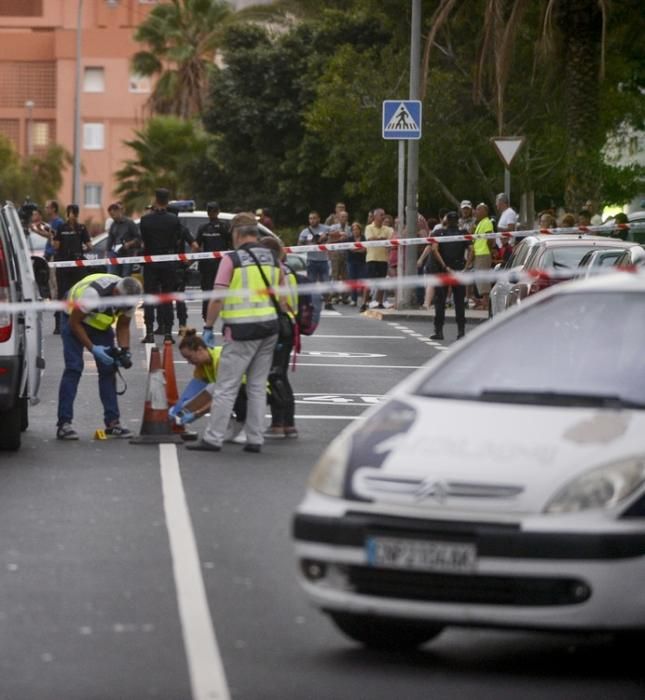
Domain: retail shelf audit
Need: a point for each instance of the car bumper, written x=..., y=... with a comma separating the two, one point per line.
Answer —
x=555, y=580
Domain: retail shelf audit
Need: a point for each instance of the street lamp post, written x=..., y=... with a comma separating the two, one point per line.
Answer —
x=29, y=105
x=76, y=174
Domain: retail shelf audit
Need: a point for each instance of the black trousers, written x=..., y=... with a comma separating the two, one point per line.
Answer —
x=283, y=416
x=459, y=297
x=207, y=274
x=159, y=278
x=67, y=277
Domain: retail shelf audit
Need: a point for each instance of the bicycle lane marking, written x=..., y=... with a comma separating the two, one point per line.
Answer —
x=205, y=667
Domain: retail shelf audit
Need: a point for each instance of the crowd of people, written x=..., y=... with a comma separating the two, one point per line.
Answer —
x=381, y=262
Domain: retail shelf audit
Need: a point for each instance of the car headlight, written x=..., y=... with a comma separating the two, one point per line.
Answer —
x=328, y=476
x=604, y=487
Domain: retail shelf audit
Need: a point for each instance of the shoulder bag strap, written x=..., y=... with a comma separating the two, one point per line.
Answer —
x=266, y=281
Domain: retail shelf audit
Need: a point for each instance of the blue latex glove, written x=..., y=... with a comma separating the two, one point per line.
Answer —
x=185, y=417
x=208, y=337
x=174, y=411
x=100, y=353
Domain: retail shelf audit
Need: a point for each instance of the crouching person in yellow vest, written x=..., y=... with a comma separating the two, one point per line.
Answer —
x=250, y=329
x=86, y=326
x=196, y=398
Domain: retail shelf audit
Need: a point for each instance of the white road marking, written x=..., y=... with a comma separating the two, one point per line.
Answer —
x=207, y=677
x=298, y=417
x=339, y=365
x=361, y=337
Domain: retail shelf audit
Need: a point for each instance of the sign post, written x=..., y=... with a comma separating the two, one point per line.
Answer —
x=507, y=148
x=401, y=122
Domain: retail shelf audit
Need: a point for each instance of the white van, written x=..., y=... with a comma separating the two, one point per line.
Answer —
x=21, y=357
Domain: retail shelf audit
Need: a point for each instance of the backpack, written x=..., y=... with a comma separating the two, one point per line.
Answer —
x=309, y=308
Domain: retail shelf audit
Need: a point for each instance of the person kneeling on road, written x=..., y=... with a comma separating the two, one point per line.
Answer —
x=195, y=400
x=86, y=326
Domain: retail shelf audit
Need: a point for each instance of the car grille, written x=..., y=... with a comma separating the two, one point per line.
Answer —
x=372, y=484
x=451, y=588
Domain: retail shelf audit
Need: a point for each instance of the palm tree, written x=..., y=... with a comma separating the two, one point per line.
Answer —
x=576, y=28
x=182, y=36
x=163, y=151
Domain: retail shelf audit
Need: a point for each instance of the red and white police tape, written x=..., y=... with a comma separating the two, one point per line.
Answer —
x=539, y=277
x=349, y=245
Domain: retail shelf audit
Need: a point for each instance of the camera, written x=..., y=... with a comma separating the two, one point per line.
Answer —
x=121, y=356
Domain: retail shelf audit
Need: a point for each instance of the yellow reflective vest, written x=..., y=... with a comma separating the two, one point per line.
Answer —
x=251, y=317
x=481, y=245
x=104, y=284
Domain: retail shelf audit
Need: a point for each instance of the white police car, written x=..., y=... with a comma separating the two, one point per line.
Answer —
x=501, y=485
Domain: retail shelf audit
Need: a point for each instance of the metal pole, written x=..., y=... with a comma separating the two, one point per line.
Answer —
x=507, y=183
x=401, y=214
x=76, y=174
x=29, y=104
x=413, y=148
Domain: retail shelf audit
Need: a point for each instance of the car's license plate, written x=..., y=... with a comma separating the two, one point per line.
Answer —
x=421, y=555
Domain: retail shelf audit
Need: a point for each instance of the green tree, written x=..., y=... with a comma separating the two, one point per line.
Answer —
x=38, y=177
x=182, y=38
x=258, y=107
x=574, y=30
x=165, y=151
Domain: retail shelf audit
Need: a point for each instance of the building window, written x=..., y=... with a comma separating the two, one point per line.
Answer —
x=40, y=134
x=94, y=80
x=92, y=195
x=139, y=83
x=93, y=137
x=21, y=8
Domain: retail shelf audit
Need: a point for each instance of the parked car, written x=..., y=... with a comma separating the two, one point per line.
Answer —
x=595, y=260
x=558, y=252
x=516, y=263
x=21, y=357
x=486, y=490
x=628, y=258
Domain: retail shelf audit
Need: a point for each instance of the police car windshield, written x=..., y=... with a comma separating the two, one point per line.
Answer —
x=588, y=345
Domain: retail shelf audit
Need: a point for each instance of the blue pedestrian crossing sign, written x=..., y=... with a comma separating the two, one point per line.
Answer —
x=402, y=119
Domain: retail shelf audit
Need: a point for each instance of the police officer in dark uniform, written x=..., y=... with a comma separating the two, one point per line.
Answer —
x=161, y=235
x=181, y=273
x=214, y=235
x=70, y=241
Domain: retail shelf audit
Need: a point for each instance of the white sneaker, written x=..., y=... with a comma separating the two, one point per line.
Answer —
x=240, y=438
x=233, y=430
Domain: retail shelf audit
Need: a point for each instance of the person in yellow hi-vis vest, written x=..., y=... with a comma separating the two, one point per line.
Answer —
x=250, y=329
x=482, y=258
x=195, y=399
x=86, y=326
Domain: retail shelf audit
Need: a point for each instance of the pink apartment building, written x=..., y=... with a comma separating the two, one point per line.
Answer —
x=37, y=82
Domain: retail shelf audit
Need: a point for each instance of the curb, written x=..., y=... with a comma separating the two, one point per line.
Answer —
x=413, y=315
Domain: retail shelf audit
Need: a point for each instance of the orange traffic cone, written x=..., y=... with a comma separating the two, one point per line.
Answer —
x=172, y=394
x=156, y=426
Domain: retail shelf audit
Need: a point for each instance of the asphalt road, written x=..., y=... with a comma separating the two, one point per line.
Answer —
x=107, y=592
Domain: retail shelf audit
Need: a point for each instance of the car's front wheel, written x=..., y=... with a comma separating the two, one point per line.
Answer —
x=10, y=423
x=384, y=633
